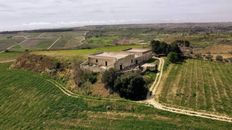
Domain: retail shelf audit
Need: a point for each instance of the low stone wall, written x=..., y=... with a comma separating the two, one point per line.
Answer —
x=96, y=69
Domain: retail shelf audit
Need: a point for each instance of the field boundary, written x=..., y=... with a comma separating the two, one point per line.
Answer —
x=54, y=43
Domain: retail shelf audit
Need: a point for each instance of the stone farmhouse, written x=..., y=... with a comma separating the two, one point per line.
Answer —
x=118, y=60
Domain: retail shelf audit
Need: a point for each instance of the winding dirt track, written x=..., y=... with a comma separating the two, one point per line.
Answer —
x=7, y=61
x=151, y=100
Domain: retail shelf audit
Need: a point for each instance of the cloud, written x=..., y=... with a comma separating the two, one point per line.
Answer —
x=25, y=13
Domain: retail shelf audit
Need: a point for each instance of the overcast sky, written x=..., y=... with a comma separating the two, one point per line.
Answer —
x=34, y=14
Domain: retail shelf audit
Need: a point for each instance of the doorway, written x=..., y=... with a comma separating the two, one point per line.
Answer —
x=121, y=67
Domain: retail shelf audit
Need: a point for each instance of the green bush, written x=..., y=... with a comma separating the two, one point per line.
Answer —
x=109, y=77
x=173, y=57
x=131, y=86
x=164, y=48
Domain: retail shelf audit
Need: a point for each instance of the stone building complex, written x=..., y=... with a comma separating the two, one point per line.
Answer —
x=118, y=60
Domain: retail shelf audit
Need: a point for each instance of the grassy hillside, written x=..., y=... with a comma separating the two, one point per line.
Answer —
x=199, y=85
x=29, y=101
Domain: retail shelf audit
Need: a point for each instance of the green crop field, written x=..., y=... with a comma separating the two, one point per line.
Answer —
x=38, y=41
x=199, y=85
x=29, y=101
x=70, y=40
x=83, y=53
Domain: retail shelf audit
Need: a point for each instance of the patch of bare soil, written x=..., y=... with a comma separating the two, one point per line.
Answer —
x=223, y=49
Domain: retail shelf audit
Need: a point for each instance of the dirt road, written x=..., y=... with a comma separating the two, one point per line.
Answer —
x=54, y=43
x=7, y=61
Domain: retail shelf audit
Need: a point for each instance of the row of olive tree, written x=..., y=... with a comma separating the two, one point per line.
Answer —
x=130, y=85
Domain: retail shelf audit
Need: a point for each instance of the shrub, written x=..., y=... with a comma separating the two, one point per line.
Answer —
x=81, y=77
x=131, y=86
x=219, y=58
x=6, y=50
x=173, y=57
x=182, y=43
x=164, y=48
x=91, y=77
x=108, y=78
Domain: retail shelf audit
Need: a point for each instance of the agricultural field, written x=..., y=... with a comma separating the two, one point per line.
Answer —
x=42, y=41
x=83, y=53
x=29, y=101
x=8, y=40
x=145, y=35
x=70, y=40
x=224, y=50
x=198, y=85
x=87, y=37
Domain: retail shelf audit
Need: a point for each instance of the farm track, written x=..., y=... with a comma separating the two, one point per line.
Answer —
x=74, y=95
x=7, y=61
x=25, y=39
x=54, y=43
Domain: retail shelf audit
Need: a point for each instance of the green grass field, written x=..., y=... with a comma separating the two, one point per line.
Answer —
x=199, y=85
x=83, y=53
x=29, y=101
x=9, y=55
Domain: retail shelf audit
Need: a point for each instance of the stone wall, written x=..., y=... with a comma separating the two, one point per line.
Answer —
x=102, y=61
x=124, y=62
x=143, y=57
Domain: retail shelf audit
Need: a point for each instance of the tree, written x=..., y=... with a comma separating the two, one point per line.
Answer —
x=155, y=46
x=131, y=86
x=182, y=43
x=108, y=78
x=174, y=48
x=173, y=57
x=164, y=48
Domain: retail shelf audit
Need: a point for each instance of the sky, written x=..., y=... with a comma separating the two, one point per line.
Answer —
x=37, y=14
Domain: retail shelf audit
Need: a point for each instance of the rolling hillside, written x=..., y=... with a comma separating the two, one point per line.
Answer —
x=29, y=101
